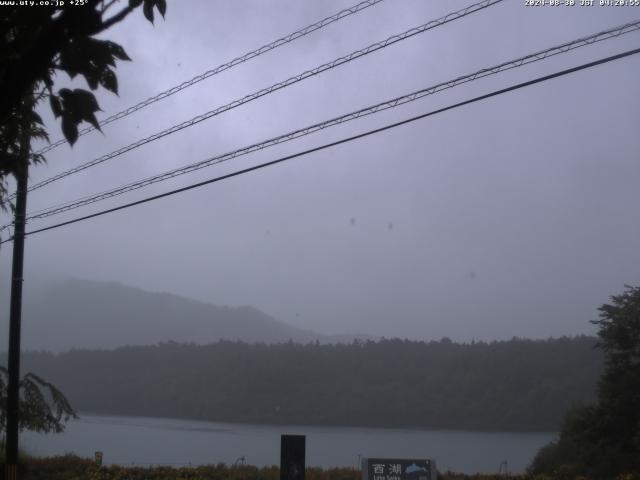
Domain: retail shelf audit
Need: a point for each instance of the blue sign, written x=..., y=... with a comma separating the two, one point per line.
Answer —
x=398, y=469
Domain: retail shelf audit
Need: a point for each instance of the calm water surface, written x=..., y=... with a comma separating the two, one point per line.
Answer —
x=144, y=441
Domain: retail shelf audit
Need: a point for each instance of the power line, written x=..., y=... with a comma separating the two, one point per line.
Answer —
x=518, y=62
x=275, y=87
x=344, y=140
x=225, y=66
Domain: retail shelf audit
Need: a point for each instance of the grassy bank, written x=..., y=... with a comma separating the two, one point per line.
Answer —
x=76, y=468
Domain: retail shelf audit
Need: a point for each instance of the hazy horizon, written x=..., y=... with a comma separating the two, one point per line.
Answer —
x=44, y=284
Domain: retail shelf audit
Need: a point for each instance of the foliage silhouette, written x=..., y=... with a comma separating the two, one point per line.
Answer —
x=603, y=440
x=43, y=408
x=40, y=43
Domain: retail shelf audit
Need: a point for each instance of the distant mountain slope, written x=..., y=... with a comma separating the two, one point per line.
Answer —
x=86, y=314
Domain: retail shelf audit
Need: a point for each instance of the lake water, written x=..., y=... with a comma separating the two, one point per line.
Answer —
x=146, y=441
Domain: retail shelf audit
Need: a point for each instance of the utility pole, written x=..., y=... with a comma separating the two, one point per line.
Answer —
x=15, y=315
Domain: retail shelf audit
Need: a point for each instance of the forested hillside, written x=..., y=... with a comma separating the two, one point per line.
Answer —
x=513, y=385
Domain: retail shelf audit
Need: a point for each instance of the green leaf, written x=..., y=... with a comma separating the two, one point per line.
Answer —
x=69, y=129
x=77, y=106
x=38, y=158
x=56, y=108
x=109, y=81
x=85, y=104
x=162, y=7
x=147, y=9
x=39, y=133
x=98, y=52
x=92, y=78
x=65, y=94
x=71, y=60
x=36, y=118
x=118, y=52
x=86, y=100
x=91, y=118
x=90, y=58
x=135, y=3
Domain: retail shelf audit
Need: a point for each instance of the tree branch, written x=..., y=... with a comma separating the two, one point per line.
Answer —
x=118, y=17
x=108, y=5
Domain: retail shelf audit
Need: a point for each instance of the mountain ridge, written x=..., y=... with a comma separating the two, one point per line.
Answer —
x=76, y=313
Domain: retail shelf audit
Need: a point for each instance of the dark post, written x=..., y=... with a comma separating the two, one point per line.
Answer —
x=13, y=390
x=292, y=457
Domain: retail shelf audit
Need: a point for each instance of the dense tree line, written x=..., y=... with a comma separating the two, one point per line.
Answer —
x=602, y=440
x=512, y=385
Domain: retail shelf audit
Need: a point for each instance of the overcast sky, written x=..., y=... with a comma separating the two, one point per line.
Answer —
x=516, y=216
